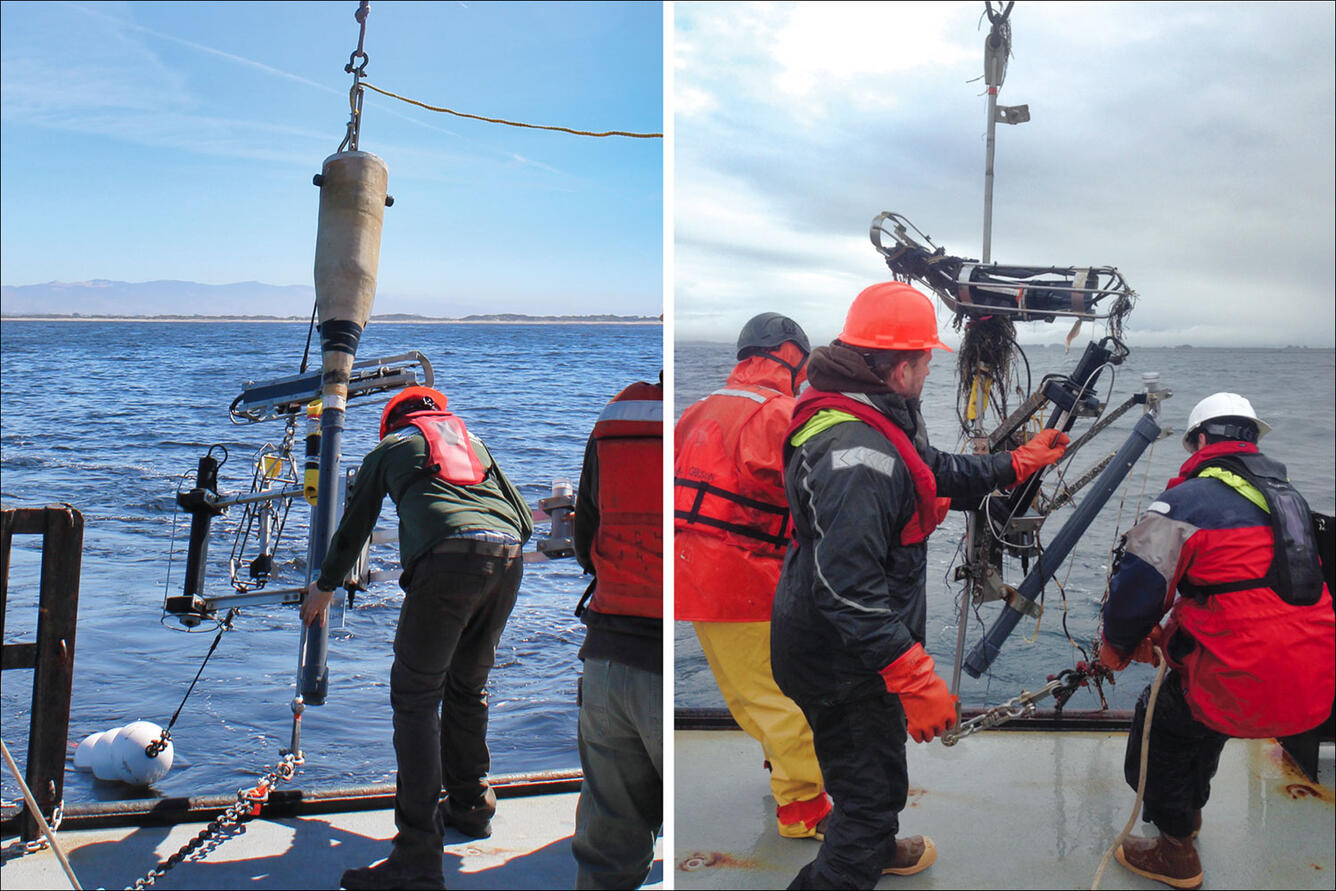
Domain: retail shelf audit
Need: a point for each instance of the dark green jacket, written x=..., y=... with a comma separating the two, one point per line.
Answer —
x=430, y=509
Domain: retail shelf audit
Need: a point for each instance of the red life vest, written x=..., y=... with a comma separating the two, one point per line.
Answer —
x=1261, y=663
x=711, y=493
x=730, y=517
x=627, y=550
x=931, y=509
x=450, y=455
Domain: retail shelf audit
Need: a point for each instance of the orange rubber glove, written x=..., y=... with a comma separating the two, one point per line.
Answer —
x=930, y=709
x=1144, y=652
x=1111, y=657
x=1046, y=448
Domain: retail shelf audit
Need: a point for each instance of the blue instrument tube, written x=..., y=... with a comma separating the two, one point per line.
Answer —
x=1147, y=430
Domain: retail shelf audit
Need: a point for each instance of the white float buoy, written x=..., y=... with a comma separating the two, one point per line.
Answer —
x=100, y=759
x=132, y=763
x=83, y=753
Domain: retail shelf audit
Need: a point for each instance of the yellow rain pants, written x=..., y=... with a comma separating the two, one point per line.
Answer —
x=739, y=656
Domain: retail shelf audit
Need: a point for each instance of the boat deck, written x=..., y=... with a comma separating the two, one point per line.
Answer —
x=1013, y=809
x=529, y=848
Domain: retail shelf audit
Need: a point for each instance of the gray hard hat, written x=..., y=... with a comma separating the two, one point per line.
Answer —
x=769, y=331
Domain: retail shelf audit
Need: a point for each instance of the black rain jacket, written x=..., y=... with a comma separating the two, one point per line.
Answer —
x=851, y=598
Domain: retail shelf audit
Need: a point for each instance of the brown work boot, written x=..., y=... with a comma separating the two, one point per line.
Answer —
x=1166, y=859
x=912, y=855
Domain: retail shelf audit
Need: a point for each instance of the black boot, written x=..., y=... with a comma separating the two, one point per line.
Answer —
x=474, y=822
x=388, y=875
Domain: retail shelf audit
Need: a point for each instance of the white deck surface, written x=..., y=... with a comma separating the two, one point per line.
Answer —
x=1014, y=809
x=529, y=848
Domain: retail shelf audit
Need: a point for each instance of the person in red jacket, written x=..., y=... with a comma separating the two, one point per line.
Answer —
x=730, y=529
x=618, y=536
x=1228, y=552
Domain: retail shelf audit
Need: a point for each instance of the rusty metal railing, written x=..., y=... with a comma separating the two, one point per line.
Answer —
x=52, y=654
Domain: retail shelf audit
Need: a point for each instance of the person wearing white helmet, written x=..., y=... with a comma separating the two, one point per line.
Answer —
x=1228, y=552
x=1224, y=416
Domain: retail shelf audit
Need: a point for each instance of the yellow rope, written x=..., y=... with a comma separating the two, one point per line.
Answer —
x=510, y=123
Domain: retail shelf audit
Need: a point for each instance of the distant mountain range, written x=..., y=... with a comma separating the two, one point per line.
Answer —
x=178, y=299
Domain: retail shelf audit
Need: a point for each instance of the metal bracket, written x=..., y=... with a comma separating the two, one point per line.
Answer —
x=285, y=396
x=1022, y=604
x=1012, y=114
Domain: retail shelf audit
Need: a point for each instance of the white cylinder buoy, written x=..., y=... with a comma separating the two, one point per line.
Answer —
x=101, y=757
x=83, y=753
x=132, y=763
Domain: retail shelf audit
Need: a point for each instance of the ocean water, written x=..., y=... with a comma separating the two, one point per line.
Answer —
x=1294, y=390
x=108, y=416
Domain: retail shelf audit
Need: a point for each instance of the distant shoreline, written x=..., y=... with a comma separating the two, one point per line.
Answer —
x=573, y=320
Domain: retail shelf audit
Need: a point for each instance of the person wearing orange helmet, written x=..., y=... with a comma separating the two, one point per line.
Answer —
x=865, y=489
x=730, y=529
x=461, y=527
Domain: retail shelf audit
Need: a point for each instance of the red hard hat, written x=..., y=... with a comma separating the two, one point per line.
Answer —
x=436, y=396
x=892, y=316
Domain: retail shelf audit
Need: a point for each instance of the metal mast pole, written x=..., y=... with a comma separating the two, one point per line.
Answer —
x=996, y=51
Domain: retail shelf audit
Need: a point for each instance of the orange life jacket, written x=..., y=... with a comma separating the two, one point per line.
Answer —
x=627, y=550
x=450, y=455
x=730, y=517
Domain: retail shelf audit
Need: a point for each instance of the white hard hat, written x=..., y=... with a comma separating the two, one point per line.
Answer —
x=1221, y=405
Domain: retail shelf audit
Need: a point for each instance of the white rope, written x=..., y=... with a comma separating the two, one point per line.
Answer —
x=41, y=821
x=1141, y=779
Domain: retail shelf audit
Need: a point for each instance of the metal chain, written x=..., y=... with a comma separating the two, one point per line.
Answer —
x=1016, y=707
x=358, y=72
x=22, y=849
x=1060, y=687
x=248, y=804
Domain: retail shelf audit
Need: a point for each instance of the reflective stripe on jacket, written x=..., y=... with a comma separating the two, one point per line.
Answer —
x=627, y=548
x=730, y=515
x=851, y=598
x=930, y=509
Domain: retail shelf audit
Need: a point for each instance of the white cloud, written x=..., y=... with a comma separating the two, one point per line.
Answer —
x=1189, y=145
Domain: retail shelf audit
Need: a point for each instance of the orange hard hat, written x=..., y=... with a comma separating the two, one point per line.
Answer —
x=892, y=316
x=423, y=394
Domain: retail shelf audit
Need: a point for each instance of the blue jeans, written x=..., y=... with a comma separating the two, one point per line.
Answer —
x=621, y=751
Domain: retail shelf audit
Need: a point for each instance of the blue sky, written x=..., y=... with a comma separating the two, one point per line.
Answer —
x=145, y=141
x=1188, y=144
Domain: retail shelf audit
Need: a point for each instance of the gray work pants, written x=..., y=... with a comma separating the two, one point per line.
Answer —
x=621, y=751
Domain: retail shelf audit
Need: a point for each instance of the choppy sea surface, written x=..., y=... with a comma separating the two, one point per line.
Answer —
x=108, y=416
x=1294, y=390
